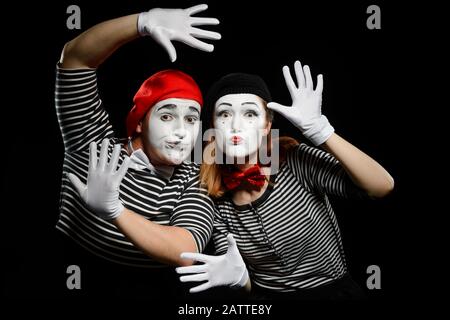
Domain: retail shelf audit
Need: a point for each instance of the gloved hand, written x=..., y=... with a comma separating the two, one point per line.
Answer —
x=226, y=270
x=101, y=194
x=165, y=25
x=305, y=112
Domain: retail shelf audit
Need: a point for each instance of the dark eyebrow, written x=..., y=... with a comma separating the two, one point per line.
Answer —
x=225, y=103
x=249, y=103
x=173, y=106
x=167, y=106
x=194, y=109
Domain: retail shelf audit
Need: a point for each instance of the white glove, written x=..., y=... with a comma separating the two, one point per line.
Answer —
x=305, y=112
x=101, y=194
x=226, y=270
x=165, y=25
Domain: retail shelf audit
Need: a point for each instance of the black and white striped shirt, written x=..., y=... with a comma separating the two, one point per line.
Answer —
x=178, y=201
x=289, y=237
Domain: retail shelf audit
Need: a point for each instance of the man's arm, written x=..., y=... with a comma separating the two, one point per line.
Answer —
x=81, y=114
x=96, y=44
x=93, y=46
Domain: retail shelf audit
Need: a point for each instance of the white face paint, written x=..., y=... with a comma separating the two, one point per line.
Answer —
x=240, y=121
x=171, y=130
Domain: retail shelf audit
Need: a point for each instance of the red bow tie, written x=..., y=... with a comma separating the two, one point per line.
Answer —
x=251, y=177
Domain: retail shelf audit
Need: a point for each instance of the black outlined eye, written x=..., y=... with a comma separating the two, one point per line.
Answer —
x=166, y=117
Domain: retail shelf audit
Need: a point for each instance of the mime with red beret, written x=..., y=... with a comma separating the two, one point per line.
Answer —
x=133, y=205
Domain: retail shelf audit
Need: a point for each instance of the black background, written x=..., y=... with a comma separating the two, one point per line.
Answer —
x=365, y=99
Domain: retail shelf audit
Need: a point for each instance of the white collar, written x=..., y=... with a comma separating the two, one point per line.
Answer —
x=140, y=161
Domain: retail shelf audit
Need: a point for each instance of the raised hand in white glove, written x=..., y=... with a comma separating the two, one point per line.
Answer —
x=225, y=270
x=101, y=193
x=165, y=25
x=305, y=112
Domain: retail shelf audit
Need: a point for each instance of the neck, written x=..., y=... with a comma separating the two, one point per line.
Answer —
x=246, y=196
x=250, y=161
x=136, y=144
x=244, y=166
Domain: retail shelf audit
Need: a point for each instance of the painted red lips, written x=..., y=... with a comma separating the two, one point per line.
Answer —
x=236, y=139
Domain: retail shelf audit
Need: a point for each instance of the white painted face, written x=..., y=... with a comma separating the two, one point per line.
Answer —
x=240, y=121
x=171, y=130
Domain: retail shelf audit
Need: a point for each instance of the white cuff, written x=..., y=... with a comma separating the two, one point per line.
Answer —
x=116, y=213
x=320, y=132
x=141, y=25
x=241, y=283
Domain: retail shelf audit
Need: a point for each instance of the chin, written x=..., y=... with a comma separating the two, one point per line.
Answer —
x=239, y=154
x=175, y=160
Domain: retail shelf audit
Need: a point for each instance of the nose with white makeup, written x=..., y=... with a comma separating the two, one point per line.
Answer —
x=236, y=123
x=180, y=129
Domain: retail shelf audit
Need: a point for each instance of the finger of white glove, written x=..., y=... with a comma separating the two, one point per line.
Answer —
x=319, y=87
x=123, y=169
x=308, y=78
x=278, y=107
x=92, y=156
x=79, y=186
x=103, y=155
x=195, y=43
x=202, y=287
x=165, y=42
x=194, y=277
x=232, y=246
x=196, y=256
x=299, y=74
x=230, y=240
x=114, y=159
x=203, y=21
x=192, y=269
x=205, y=34
x=196, y=9
x=289, y=81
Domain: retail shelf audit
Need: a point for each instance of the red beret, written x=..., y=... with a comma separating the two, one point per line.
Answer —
x=160, y=86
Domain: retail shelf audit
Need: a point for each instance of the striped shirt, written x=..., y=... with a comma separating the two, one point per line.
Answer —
x=289, y=237
x=178, y=201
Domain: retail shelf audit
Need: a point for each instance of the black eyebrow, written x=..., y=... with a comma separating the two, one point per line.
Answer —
x=253, y=103
x=167, y=106
x=173, y=106
x=243, y=103
x=225, y=103
x=194, y=109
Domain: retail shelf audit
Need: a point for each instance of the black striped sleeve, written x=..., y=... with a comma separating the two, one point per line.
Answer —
x=194, y=212
x=319, y=171
x=220, y=233
x=82, y=118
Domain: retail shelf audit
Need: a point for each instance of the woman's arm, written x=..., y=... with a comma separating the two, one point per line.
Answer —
x=163, y=243
x=364, y=171
x=228, y=269
x=306, y=114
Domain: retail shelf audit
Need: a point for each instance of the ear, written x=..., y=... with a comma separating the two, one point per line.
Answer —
x=267, y=128
x=139, y=127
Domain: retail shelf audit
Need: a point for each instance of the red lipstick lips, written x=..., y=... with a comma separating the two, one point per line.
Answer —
x=236, y=139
